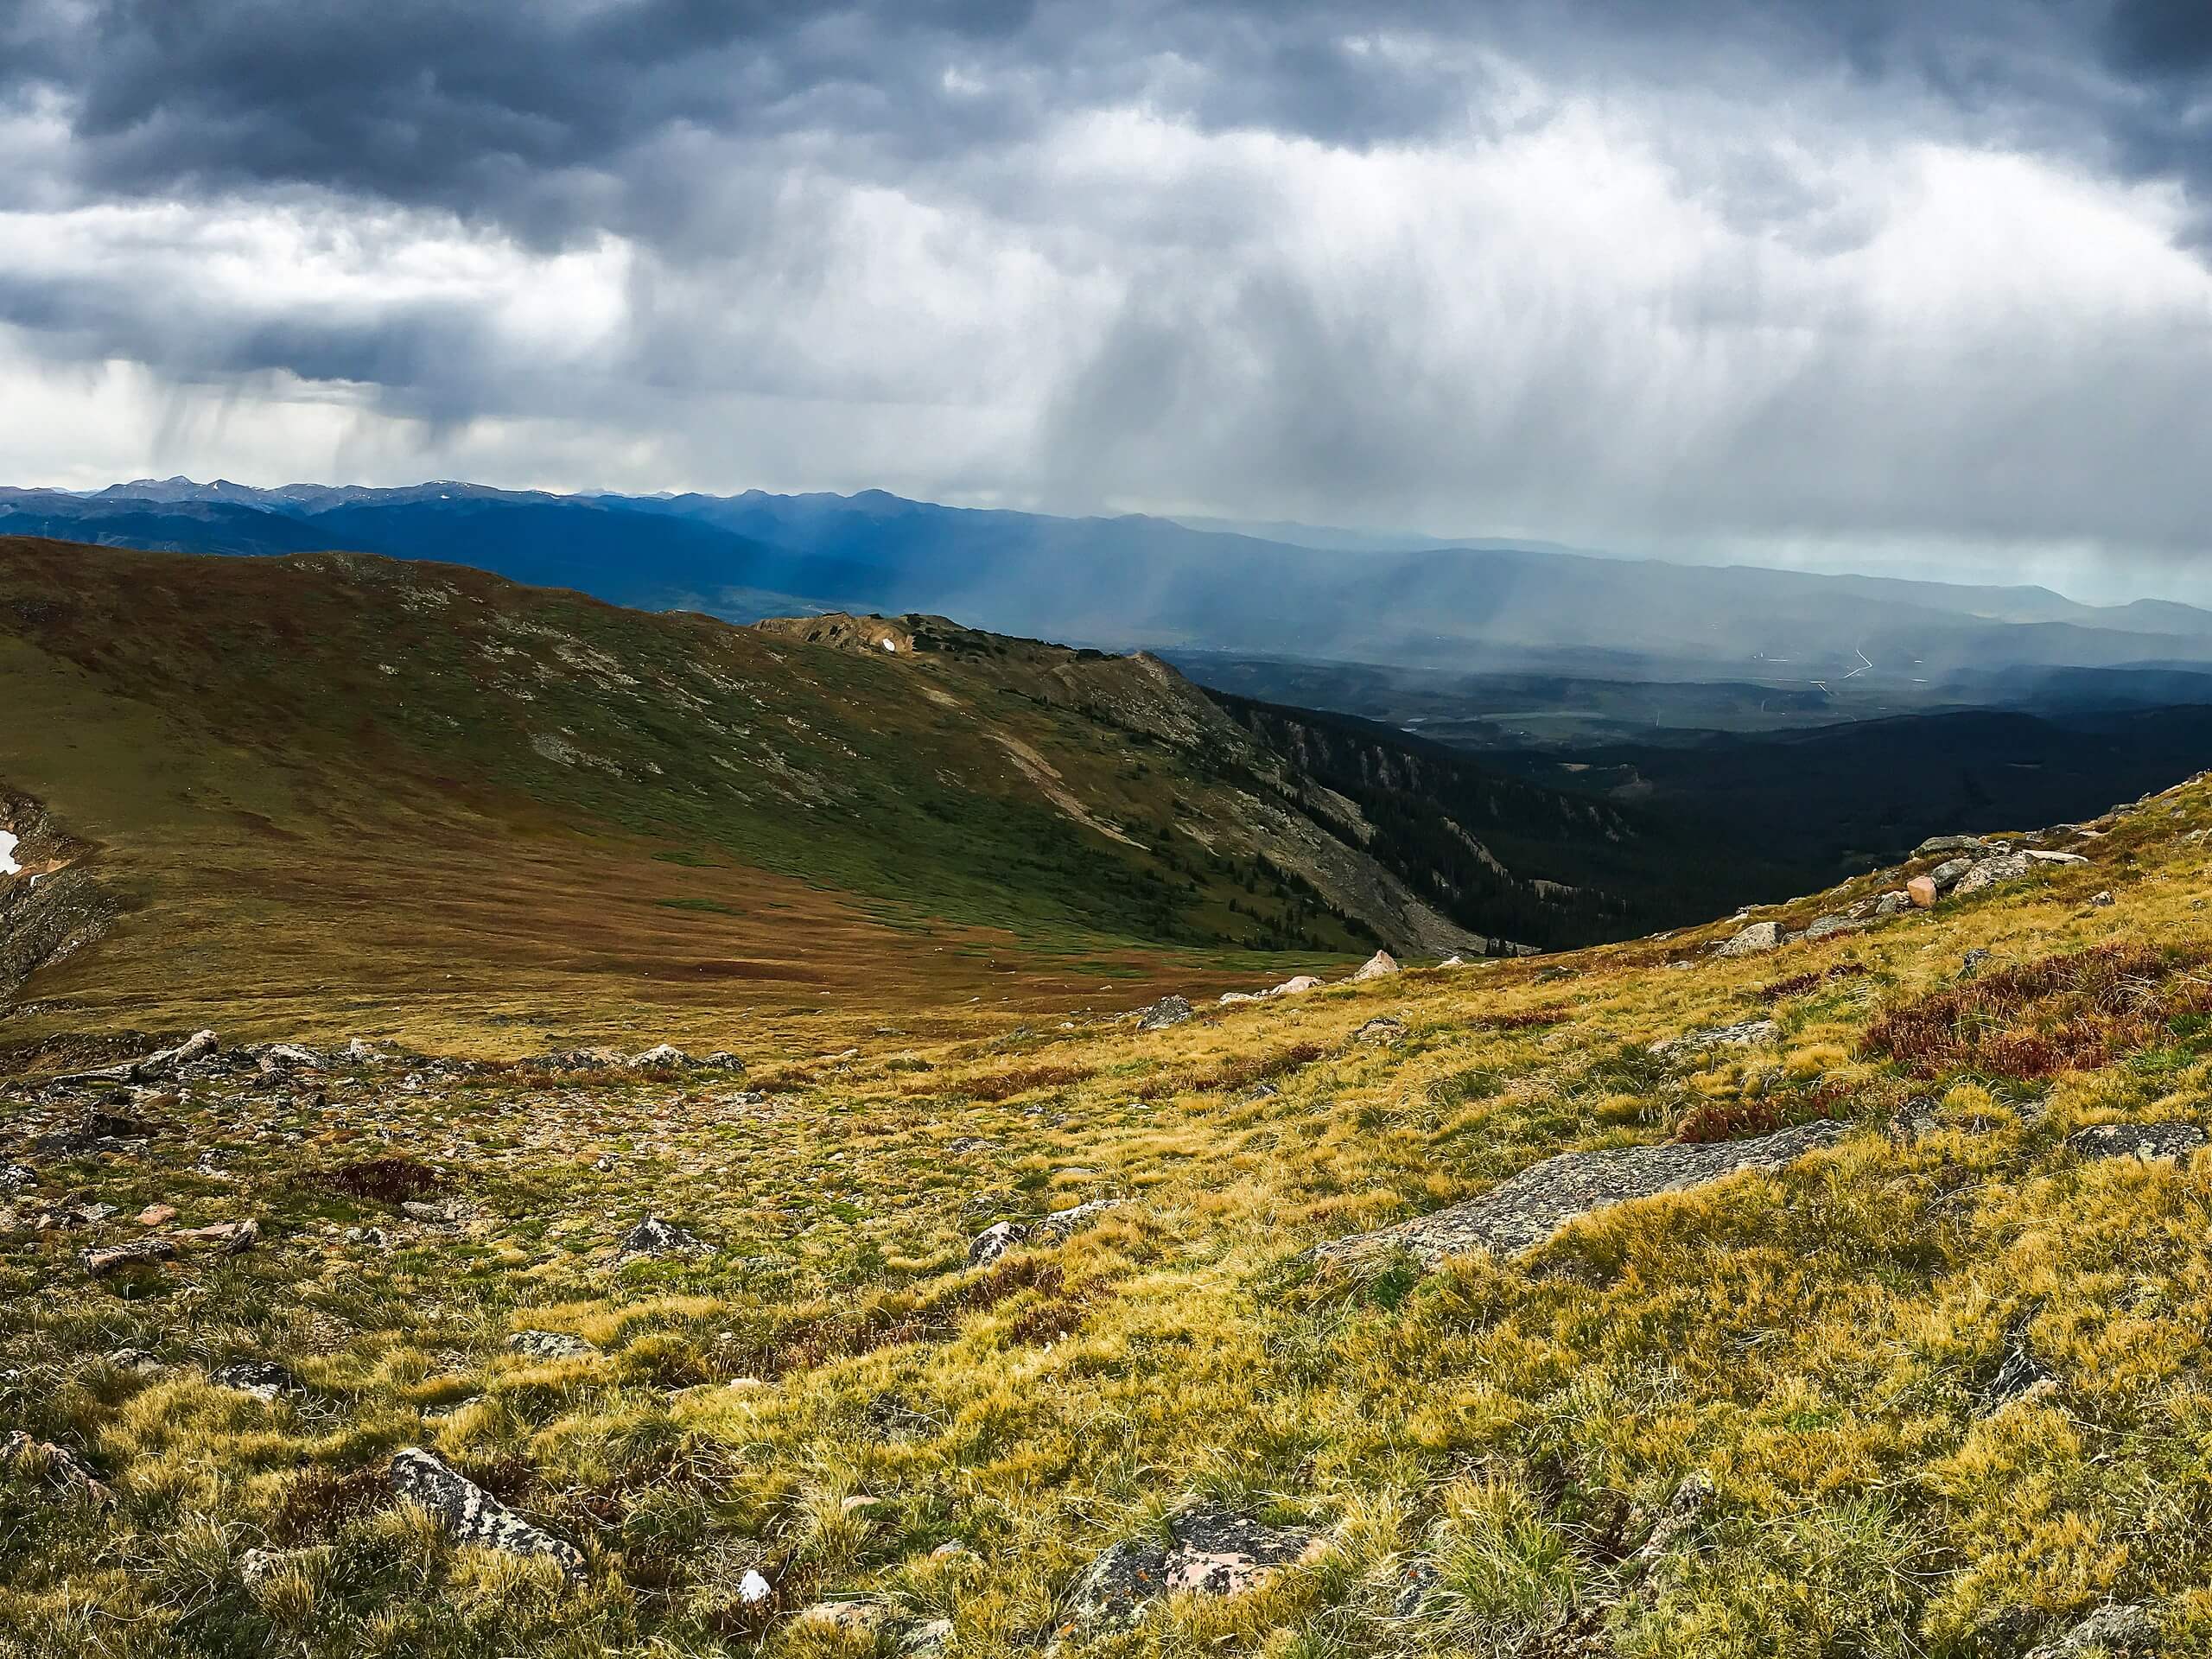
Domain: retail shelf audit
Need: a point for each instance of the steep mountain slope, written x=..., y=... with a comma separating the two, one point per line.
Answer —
x=1675, y=1300
x=339, y=770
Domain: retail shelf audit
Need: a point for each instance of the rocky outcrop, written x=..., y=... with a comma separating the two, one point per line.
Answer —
x=1520, y=1213
x=1381, y=965
x=469, y=1515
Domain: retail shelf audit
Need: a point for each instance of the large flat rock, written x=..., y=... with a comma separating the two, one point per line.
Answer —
x=1523, y=1211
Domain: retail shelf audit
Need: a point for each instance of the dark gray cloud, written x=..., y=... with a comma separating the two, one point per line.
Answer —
x=1597, y=268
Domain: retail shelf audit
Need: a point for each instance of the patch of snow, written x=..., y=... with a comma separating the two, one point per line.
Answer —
x=8, y=842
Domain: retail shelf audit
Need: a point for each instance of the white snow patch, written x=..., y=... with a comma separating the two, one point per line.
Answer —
x=8, y=842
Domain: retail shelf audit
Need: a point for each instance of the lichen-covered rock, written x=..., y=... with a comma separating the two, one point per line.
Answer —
x=1522, y=1212
x=1990, y=871
x=1168, y=1011
x=1684, y=1510
x=1061, y=1223
x=2150, y=1140
x=1945, y=875
x=1382, y=1029
x=994, y=1242
x=1751, y=941
x=263, y=1379
x=1821, y=926
x=550, y=1344
x=1748, y=1033
x=2038, y=855
x=1209, y=1552
x=653, y=1238
x=115, y=1257
x=2115, y=1629
x=469, y=1515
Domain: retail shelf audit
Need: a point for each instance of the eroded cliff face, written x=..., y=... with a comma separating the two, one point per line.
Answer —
x=51, y=905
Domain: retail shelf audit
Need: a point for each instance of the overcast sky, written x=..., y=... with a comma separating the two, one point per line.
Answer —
x=1864, y=283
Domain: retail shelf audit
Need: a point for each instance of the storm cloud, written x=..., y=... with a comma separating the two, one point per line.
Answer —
x=1854, y=280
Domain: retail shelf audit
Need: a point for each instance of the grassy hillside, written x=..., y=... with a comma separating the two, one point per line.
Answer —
x=420, y=801
x=1940, y=1386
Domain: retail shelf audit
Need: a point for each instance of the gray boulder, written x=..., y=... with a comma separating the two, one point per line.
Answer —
x=1381, y=965
x=1524, y=1211
x=1894, y=903
x=469, y=1515
x=1945, y=875
x=1935, y=844
x=550, y=1344
x=1062, y=1222
x=1751, y=941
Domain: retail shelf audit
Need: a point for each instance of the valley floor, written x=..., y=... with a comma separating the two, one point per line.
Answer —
x=1940, y=1386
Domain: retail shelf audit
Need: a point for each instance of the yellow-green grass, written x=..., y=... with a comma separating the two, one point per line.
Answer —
x=1818, y=1343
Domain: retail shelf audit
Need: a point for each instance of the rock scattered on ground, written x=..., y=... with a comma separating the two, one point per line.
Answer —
x=2020, y=1374
x=1945, y=875
x=2037, y=855
x=2147, y=1140
x=1922, y=891
x=1061, y=1223
x=653, y=1238
x=994, y=1242
x=1821, y=926
x=1935, y=844
x=1211, y=1552
x=114, y=1258
x=1683, y=1511
x=2101, y=900
x=1168, y=1011
x=1524, y=1211
x=1751, y=941
x=550, y=1344
x=229, y=1238
x=263, y=1379
x=1991, y=872
x=1381, y=965
x=469, y=1515
x=56, y=1465
x=2115, y=1629
x=1383, y=1028
x=1745, y=1034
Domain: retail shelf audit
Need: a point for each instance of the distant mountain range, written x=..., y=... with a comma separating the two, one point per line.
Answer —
x=1139, y=581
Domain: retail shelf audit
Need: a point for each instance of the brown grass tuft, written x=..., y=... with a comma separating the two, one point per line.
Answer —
x=1812, y=978
x=383, y=1180
x=1006, y=1084
x=2071, y=1012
